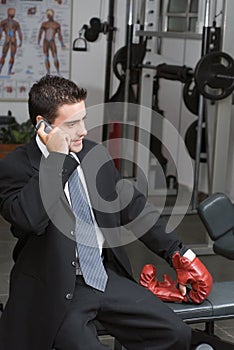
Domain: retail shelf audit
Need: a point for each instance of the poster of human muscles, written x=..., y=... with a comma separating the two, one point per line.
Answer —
x=34, y=40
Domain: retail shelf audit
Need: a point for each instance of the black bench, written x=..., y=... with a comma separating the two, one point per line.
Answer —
x=219, y=305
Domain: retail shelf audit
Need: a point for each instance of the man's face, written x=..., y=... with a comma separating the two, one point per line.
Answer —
x=70, y=118
x=11, y=13
x=50, y=14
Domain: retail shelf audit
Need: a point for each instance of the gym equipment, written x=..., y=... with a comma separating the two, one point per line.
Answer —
x=80, y=43
x=191, y=96
x=126, y=68
x=206, y=46
x=213, y=78
x=119, y=69
x=217, y=214
x=174, y=72
x=213, y=39
x=190, y=141
x=120, y=61
x=214, y=75
x=91, y=32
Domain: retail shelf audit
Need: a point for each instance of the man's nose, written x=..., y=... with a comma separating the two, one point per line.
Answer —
x=82, y=130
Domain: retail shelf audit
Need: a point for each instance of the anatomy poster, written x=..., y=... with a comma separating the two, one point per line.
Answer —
x=34, y=41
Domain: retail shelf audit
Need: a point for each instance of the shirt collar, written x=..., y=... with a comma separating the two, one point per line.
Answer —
x=42, y=147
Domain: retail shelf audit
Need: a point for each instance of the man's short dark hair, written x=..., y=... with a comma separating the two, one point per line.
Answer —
x=50, y=93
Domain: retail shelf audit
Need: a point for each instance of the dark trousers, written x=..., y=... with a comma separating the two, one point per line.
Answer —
x=129, y=312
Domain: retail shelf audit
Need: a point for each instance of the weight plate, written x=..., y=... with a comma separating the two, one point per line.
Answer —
x=214, y=75
x=191, y=96
x=191, y=141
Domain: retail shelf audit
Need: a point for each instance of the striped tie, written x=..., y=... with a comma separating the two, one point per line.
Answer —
x=90, y=260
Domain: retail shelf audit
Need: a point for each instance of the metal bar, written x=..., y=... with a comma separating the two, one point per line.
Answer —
x=200, y=115
x=224, y=76
x=128, y=60
x=210, y=327
x=109, y=49
x=207, y=14
x=208, y=157
x=179, y=35
x=198, y=152
x=221, y=161
x=108, y=64
x=124, y=126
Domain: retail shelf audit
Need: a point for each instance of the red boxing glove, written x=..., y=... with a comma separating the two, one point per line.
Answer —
x=165, y=290
x=148, y=275
x=190, y=270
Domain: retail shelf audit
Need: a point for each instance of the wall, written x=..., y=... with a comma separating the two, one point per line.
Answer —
x=87, y=68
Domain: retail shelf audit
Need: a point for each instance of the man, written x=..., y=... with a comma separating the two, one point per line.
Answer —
x=50, y=28
x=10, y=27
x=52, y=301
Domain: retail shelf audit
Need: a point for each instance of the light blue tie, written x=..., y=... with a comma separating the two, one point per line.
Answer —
x=90, y=260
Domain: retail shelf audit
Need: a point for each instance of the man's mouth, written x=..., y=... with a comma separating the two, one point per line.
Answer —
x=77, y=142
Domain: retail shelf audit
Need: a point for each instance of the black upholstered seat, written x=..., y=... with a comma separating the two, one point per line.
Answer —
x=218, y=305
x=217, y=214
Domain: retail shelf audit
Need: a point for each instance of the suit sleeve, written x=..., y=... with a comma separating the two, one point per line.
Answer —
x=137, y=214
x=146, y=222
x=23, y=190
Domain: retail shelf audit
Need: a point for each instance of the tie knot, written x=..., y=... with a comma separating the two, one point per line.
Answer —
x=74, y=156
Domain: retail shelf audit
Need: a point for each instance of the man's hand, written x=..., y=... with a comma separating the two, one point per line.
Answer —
x=166, y=290
x=56, y=141
x=190, y=273
x=190, y=270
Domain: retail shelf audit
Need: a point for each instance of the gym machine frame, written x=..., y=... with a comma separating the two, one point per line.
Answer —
x=217, y=164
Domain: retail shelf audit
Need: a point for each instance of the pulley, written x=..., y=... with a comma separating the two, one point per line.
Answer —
x=94, y=29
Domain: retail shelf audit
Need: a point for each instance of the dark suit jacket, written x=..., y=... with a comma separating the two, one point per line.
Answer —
x=43, y=277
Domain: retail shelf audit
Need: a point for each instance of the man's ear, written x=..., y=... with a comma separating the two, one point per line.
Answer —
x=38, y=118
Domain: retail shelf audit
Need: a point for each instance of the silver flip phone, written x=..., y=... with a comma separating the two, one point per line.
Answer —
x=48, y=127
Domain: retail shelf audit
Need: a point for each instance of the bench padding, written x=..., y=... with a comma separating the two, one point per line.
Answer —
x=217, y=214
x=222, y=299
x=219, y=305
